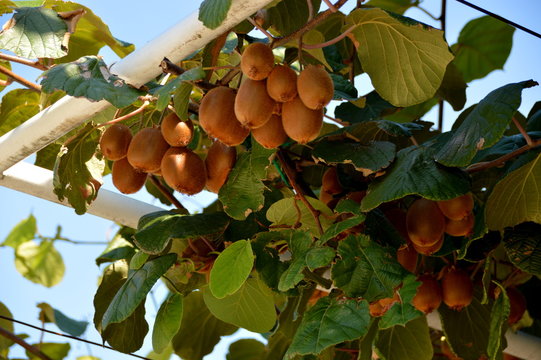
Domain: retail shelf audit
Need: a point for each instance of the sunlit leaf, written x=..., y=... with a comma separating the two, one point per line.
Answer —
x=55, y=351
x=231, y=269
x=289, y=211
x=17, y=106
x=5, y=343
x=24, y=231
x=41, y=263
x=167, y=322
x=246, y=349
x=213, y=12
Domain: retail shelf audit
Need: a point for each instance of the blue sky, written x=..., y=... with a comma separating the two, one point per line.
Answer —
x=138, y=22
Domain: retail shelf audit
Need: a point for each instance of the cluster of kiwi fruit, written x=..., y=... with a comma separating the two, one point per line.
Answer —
x=272, y=102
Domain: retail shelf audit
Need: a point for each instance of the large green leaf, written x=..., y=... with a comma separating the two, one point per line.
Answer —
x=498, y=325
x=213, y=12
x=284, y=212
x=483, y=46
x=267, y=259
x=366, y=343
x=155, y=230
x=164, y=92
x=374, y=107
x=410, y=342
x=415, y=173
x=7, y=65
x=287, y=16
x=17, y=106
x=89, y=77
x=340, y=227
x=515, y=198
x=523, y=246
x=35, y=32
x=54, y=351
x=135, y=289
x=246, y=349
x=41, y=263
x=64, y=323
x=22, y=232
x=396, y=6
x=167, y=322
x=199, y=331
x=366, y=269
x=231, y=269
x=299, y=243
x=406, y=62
x=330, y=322
x=242, y=194
x=402, y=311
x=5, y=324
x=251, y=307
x=483, y=126
x=453, y=87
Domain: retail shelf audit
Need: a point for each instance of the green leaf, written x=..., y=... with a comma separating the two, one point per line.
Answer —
x=498, y=321
x=483, y=126
x=340, y=227
x=329, y=322
x=366, y=269
x=17, y=106
x=287, y=16
x=374, y=108
x=89, y=77
x=6, y=6
x=299, y=243
x=164, y=92
x=5, y=64
x=267, y=260
x=35, y=32
x=284, y=212
x=22, y=232
x=54, y=351
x=406, y=63
x=155, y=230
x=523, y=246
x=46, y=157
x=199, y=331
x=41, y=264
x=138, y=259
x=5, y=343
x=367, y=158
x=120, y=253
x=231, y=269
x=315, y=37
x=251, y=307
x=415, y=173
x=318, y=257
x=396, y=6
x=403, y=311
x=343, y=88
x=181, y=99
x=77, y=170
x=246, y=349
x=167, y=322
x=213, y=12
x=410, y=342
x=515, y=198
x=367, y=341
x=242, y=194
x=484, y=44
x=68, y=325
x=453, y=87
x=135, y=289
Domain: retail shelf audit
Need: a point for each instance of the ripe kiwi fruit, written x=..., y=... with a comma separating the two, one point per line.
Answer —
x=429, y=250
x=461, y=227
x=457, y=208
x=407, y=257
x=253, y=105
x=330, y=182
x=429, y=295
x=457, y=288
x=300, y=123
x=219, y=162
x=175, y=131
x=217, y=116
x=425, y=222
x=272, y=134
x=257, y=61
x=146, y=150
x=282, y=83
x=518, y=305
x=183, y=170
x=126, y=179
x=114, y=142
x=315, y=87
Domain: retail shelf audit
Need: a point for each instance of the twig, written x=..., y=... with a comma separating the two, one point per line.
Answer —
x=330, y=5
x=66, y=336
x=502, y=159
x=443, y=21
x=76, y=242
x=20, y=79
x=523, y=131
x=336, y=120
x=318, y=279
x=310, y=10
x=330, y=42
x=427, y=12
x=34, y=350
x=20, y=60
x=168, y=67
x=127, y=116
x=256, y=25
x=229, y=76
x=6, y=82
x=414, y=141
x=166, y=193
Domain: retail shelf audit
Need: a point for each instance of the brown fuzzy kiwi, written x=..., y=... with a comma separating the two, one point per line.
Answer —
x=457, y=208
x=257, y=61
x=282, y=83
x=126, y=179
x=146, y=150
x=183, y=170
x=253, y=105
x=462, y=227
x=315, y=87
x=300, y=123
x=219, y=162
x=457, y=288
x=425, y=222
x=517, y=303
x=330, y=182
x=114, y=142
x=429, y=295
x=407, y=257
x=217, y=116
x=429, y=250
x=175, y=131
x=272, y=134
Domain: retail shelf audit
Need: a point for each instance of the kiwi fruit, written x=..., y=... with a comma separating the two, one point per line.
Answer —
x=272, y=134
x=219, y=162
x=301, y=123
x=183, y=170
x=429, y=295
x=146, y=150
x=217, y=116
x=457, y=288
x=253, y=105
x=407, y=257
x=518, y=305
x=461, y=227
x=126, y=179
x=457, y=208
x=257, y=61
x=282, y=83
x=330, y=182
x=429, y=250
x=425, y=223
x=114, y=142
x=376, y=310
x=175, y=131
x=315, y=87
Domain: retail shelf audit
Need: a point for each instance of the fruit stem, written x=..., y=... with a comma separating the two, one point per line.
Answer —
x=502, y=159
x=34, y=64
x=336, y=120
x=167, y=193
x=310, y=10
x=428, y=13
x=318, y=279
x=414, y=141
x=127, y=116
x=330, y=42
x=229, y=76
x=265, y=32
x=20, y=79
x=522, y=131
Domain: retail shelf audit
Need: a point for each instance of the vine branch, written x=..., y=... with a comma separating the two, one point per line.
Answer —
x=330, y=42
x=20, y=79
x=34, y=350
x=127, y=116
x=20, y=60
x=154, y=179
x=256, y=25
x=502, y=159
x=522, y=131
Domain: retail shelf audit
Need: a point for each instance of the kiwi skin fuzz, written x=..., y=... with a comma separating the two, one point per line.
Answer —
x=282, y=83
x=146, y=150
x=257, y=61
x=300, y=123
x=125, y=178
x=219, y=162
x=429, y=295
x=315, y=87
x=183, y=170
x=272, y=134
x=114, y=142
x=217, y=116
x=425, y=222
x=457, y=208
x=457, y=288
x=175, y=131
x=253, y=105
